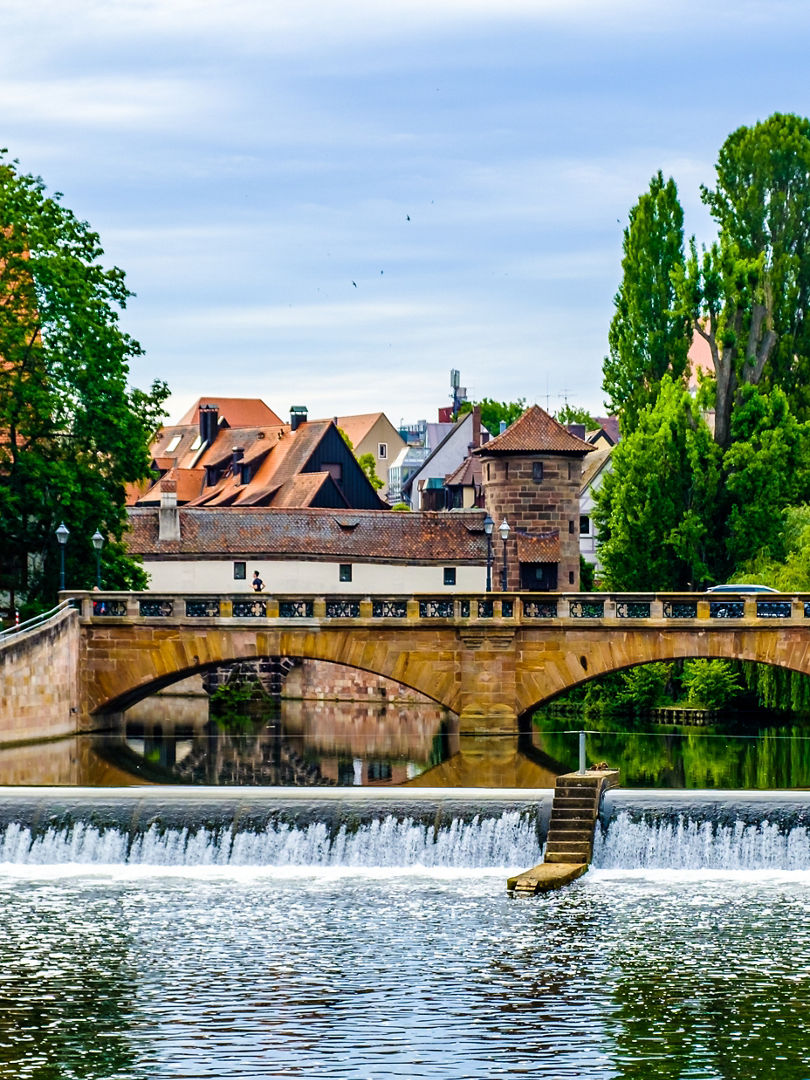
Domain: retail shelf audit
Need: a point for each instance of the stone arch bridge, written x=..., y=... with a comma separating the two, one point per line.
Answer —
x=489, y=658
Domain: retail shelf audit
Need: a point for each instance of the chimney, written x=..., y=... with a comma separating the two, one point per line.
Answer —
x=476, y=425
x=169, y=513
x=298, y=416
x=502, y=427
x=576, y=429
x=237, y=453
x=209, y=423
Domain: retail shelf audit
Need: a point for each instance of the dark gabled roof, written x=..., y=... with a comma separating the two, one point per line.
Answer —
x=370, y=535
x=535, y=432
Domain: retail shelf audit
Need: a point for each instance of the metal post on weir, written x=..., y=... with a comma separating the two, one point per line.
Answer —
x=582, y=767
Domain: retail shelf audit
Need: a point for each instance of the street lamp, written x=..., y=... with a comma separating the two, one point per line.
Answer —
x=489, y=525
x=62, y=534
x=503, y=529
x=98, y=544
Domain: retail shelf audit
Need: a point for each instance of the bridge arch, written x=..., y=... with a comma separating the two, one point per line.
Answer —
x=140, y=664
x=775, y=648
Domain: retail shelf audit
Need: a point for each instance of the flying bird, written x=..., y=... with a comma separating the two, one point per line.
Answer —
x=355, y=284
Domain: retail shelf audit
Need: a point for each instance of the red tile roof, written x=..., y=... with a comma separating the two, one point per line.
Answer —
x=238, y=412
x=538, y=549
x=535, y=432
x=370, y=535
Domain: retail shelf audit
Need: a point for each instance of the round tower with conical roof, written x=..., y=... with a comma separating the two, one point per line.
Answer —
x=532, y=476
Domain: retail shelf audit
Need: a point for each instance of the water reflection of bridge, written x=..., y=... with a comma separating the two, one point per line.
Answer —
x=490, y=659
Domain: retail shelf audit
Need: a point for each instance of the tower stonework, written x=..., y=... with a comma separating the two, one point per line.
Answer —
x=532, y=474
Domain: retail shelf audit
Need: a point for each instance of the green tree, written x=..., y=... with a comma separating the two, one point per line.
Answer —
x=648, y=338
x=656, y=509
x=712, y=684
x=368, y=465
x=748, y=294
x=493, y=412
x=572, y=414
x=73, y=434
x=766, y=469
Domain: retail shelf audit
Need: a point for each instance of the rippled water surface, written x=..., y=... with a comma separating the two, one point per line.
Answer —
x=132, y=971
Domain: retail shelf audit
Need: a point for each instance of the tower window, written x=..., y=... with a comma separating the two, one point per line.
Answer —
x=537, y=472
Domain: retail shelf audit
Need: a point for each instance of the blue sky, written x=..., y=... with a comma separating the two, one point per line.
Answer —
x=335, y=204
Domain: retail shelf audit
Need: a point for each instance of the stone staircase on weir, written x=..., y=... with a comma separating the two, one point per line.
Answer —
x=569, y=843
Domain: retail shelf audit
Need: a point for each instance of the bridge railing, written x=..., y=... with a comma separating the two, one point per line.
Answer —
x=524, y=609
x=37, y=622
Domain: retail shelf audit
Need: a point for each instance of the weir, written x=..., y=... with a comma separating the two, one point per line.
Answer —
x=459, y=829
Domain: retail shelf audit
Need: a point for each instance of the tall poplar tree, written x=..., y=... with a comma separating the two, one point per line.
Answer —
x=656, y=511
x=647, y=338
x=72, y=434
x=748, y=294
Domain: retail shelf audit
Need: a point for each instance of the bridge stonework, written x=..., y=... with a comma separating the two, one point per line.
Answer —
x=489, y=670
x=40, y=696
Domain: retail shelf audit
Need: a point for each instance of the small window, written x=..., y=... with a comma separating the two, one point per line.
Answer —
x=506, y=470
x=175, y=442
x=584, y=525
x=570, y=470
x=537, y=472
x=570, y=577
x=197, y=443
x=345, y=572
x=571, y=527
x=382, y=450
x=239, y=571
x=449, y=575
x=488, y=471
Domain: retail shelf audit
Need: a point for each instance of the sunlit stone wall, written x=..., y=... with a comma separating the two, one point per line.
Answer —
x=39, y=682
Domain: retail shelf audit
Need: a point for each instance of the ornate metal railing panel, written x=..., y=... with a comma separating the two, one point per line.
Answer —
x=295, y=609
x=485, y=609
x=202, y=609
x=680, y=609
x=436, y=609
x=774, y=609
x=155, y=609
x=464, y=609
x=726, y=609
x=587, y=609
x=540, y=609
x=342, y=609
x=389, y=609
x=117, y=608
x=508, y=608
x=249, y=609
x=633, y=609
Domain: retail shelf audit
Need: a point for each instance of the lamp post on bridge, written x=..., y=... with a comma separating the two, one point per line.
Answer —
x=62, y=534
x=503, y=529
x=98, y=544
x=489, y=525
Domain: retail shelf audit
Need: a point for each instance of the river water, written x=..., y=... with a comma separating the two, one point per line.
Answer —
x=146, y=938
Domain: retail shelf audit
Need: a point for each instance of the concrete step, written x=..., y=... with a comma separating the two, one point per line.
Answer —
x=568, y=857
x=567, y=803
x=574, y=843
x=576, y=813
x=555, y=832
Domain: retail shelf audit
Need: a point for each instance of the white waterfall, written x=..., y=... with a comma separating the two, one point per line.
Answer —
x=505, y=841
x=684, y=843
